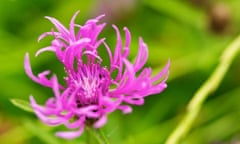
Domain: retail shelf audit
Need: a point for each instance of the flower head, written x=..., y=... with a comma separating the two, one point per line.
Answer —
x=92, y=90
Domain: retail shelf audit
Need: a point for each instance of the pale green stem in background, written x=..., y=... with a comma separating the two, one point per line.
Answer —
x=200, y=96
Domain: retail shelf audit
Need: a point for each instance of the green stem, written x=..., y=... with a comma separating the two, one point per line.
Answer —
x=98, y=135
x=88, y=136
x=200, y=96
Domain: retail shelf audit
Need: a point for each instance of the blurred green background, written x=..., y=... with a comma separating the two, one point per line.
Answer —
x=192, y=33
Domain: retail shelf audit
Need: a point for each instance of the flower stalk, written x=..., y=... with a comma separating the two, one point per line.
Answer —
x=98, y=134
x=201, y=95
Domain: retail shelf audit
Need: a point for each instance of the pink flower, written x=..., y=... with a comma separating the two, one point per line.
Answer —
x=91, y=90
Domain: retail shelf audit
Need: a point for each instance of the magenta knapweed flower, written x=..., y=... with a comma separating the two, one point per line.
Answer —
x=91, y=91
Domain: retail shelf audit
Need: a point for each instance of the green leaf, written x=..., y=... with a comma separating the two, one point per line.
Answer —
x=22, y=104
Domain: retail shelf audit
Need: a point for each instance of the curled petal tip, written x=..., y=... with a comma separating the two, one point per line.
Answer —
x=114, y=26
x=31, y=98
x=50, y=48
x=165, y=85
x=125, y=109
x=100, y=122
x=125, y=29
x=26, y=56
x=77, y=12
x=40, y=37
x=101, y=16
x=27, y=63
x=48, y=17
x=168, y=62
x=142, y=42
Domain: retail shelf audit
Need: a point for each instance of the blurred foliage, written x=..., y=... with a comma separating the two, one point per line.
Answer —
x=192, y=33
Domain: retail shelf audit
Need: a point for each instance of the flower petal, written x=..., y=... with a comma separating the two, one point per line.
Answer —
x=49, y=48
x=42, y=79
x=163, y=73
x=62, y=30
x=100, y=122
x=142, y=56
x=125, y=109
x=71, y=134
x=72, y=25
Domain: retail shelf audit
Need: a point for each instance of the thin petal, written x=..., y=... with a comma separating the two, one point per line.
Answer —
x=75, y=124
x=102, y=121
x=49, y=48
x=162, y=73
x=118, y=47
x=46, y=118
x=91, y=53
x=71, y=134
x=42, y=80
x=135, y=100
x=125, y=109
x=109, y=53
x=72, y=25
x=142, y=56
x=127, y=43
x=127, y=79
x=52, y=33
x=63, y=31
x=88, y=111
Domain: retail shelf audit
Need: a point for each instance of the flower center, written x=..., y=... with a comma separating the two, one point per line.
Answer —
x=89, y=83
